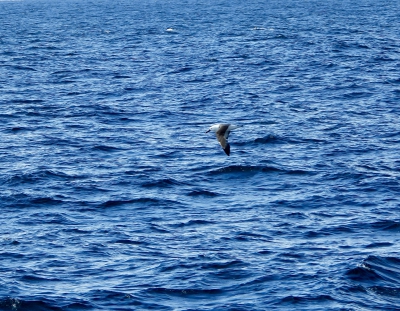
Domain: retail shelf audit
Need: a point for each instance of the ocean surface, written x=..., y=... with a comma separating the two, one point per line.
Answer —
x=113, y=197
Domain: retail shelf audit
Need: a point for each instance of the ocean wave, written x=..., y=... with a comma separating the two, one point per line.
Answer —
x=386, y=225
x=250, y=169
x=205, y=193
x=297, y=301
x=44, y=201
x=26, y=101
x=162, y=183
x=184, y=292
x=25, y=68
x=106, y=148
x=34, y=177
x=376, y=270
x=276, y=139
x=379, y=245
x=234, y=169
x=138, y=201
x=267, y=139
x=18, y=304
x=128, y=241
x=192, y=223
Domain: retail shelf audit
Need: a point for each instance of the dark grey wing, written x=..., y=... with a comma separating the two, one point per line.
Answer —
x=224, y=144
x=222, y=136
x=227, y=132
x=227, y=149
x=223, y=131
x=222, y=140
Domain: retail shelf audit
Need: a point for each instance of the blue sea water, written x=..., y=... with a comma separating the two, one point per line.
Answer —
x=113, y=197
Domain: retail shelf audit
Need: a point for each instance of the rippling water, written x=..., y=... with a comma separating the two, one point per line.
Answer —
x=114, y=198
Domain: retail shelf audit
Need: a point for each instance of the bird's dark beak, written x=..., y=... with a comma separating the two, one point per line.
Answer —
x=207, y=131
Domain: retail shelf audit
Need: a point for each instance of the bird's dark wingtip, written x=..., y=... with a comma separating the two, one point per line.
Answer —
x=227, y=149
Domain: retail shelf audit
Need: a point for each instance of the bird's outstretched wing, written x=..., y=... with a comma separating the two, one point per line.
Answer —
x=223, y=130
x=222, y=136
x=224, y=143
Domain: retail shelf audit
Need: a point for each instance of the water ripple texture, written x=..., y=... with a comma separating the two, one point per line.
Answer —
x=114, y=198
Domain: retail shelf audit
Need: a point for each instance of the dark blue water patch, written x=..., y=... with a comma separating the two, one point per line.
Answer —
x=377, y=270
x=192, y=223
x=106, y=148
x=362, y=274
x=24, y=68
x=134, y=89
x=379, y=245
x=11, y=255
x=357, y=95
x=379, y=281
x=390, y=134
x=46, y=218
x=10, y=241
x=26, y=101
x=298, y=215
x=249, y=236
x=20, y=129
x=314, y=234
x=223, y=265
x=313, y=202
x=394, y=81
x=243, y=169
x=249, y=169
x=166, y=154
x=386, y=225
x=200, y=192
x=383, y=58
x=121, y=77
x=46, y=201
x=36, y=279
x=254, y=283
x=296, y=140
x=76, y=231
x=159, y=229
x=34, y=305
x=391, y=292
x=267, y=139
x=162, y=183
x=128, y=242
x=139, y=304
x=298, y=301
x=181, y=70
x=185, y=292
x=20, y=178
x=141, y=202
x=130, y=300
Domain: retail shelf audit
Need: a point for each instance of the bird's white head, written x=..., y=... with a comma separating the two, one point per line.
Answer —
x=214, y=128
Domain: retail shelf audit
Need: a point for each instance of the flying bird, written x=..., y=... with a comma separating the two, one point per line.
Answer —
x=222, y=131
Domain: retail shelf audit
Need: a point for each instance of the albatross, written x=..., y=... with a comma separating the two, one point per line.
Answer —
x=222, y=131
